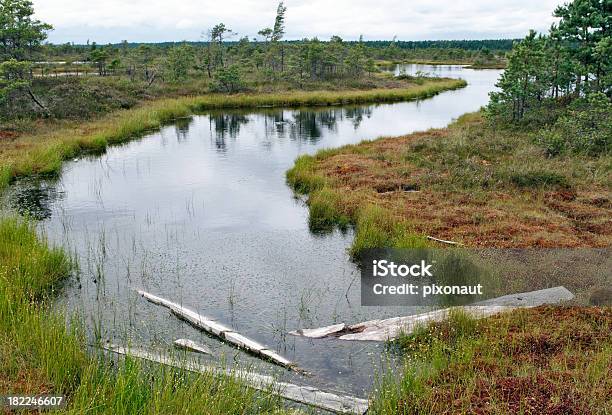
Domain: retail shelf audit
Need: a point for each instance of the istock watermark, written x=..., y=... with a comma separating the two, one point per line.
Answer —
x=447, y=277
x=384, y=268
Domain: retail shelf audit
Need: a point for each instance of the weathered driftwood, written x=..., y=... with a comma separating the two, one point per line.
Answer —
x=342, y=404
x=190, y=345
x=220, y=330
x=391, y=328
x=431, y=238
x=320, y=332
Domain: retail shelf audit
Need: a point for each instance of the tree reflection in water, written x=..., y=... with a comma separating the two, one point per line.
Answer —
x=224, y=125
x=298, y=125
x=181, y=128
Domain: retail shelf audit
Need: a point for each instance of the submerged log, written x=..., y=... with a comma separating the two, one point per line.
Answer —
x=220, y=330
x=391, y=328
x=342, y=404
x=186, y=344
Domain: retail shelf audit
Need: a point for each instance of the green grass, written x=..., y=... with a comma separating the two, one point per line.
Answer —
x=323, y=213
x=539, y=179
x=303, y=176
x=547, y=360
x=376, y=227
x=41, y=353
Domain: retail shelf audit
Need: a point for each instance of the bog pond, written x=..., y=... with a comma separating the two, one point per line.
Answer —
x=199, y=213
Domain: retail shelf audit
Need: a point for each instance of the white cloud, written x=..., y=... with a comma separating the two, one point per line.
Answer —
x=162, y=20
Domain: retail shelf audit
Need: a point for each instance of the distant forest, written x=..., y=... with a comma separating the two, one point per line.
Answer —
x=490, y=44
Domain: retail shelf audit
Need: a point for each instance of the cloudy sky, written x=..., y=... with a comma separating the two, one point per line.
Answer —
x=106, y=21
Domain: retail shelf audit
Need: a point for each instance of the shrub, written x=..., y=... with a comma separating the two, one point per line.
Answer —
x=586, y=128
x=228, y=80
x=74, y=98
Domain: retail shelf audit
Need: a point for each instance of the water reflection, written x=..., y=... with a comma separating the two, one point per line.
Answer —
x=224, y=125
x=308, y=125
x=34, y=199
x=181, y=127
x=356, y=115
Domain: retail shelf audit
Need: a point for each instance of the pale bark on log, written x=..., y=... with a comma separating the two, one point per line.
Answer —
x=220, y=330
x=190, y=345
x=391, y=328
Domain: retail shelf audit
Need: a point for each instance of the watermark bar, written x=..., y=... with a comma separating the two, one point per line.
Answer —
x=462, y=276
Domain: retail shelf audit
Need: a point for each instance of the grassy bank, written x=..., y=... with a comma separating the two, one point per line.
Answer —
x=546, y=360
x=40, y=354
x=470, y=183
x=43, y=152
x=86, y=98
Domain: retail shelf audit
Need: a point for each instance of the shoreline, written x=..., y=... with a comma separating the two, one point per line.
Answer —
x=44, y=154
x=402, y=174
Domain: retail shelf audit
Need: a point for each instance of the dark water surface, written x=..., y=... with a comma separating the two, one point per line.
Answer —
x=199, y=213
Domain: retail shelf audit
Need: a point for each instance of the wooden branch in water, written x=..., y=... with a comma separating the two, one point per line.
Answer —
x=220, y=330
x=391, y=328
x=431, y=238
x=186, y=344
x=342, y=404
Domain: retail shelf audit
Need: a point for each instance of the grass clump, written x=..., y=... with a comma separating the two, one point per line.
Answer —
x=324, y=212
x=303, y=178
x=539, y=179
x=30, y=339
x=5, y=177
x=40, y=353
x=30, y=270
x=547, y=360
x=330, y=206
x=457, y=327
x=377, y=228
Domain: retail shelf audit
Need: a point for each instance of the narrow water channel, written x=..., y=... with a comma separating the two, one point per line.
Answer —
x=200, y=213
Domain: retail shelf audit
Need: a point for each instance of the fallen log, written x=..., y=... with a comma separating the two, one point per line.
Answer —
x=391, y=328
x=342, y=404
x=186, y=344
x=220, y=330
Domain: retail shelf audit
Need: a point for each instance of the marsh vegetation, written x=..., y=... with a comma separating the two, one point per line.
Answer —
x=532, y=169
